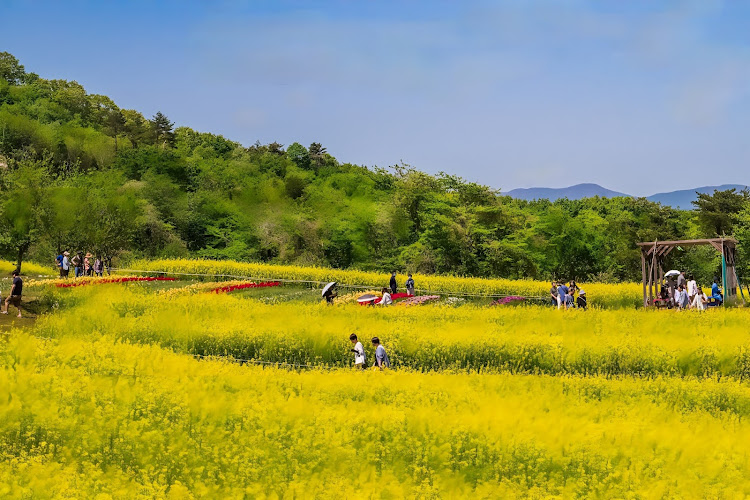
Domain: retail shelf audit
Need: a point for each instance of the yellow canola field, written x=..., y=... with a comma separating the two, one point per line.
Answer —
x=27, y=268
x=98, y=419
x=600, y=294
x=430, y=337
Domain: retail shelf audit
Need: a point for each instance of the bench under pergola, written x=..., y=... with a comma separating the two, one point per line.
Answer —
x=653, y=254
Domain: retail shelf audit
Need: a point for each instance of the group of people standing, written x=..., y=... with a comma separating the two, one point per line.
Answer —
x=564, y=296
x=393, y=288
x=684, y=293
x=83, y=265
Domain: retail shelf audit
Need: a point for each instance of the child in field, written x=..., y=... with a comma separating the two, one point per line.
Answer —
x=381, y=357
x=581, y=302
x=360, y=358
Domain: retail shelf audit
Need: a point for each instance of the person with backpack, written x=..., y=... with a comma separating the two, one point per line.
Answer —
x=381, y=357
x=360, y=358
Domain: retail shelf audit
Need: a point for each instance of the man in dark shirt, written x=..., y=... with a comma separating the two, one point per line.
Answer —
x=393, y=282
x=14, y=297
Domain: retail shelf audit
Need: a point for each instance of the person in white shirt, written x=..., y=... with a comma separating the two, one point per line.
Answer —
x=692, y=288
x=360, y=358
x=699, y=301
x=386, y=300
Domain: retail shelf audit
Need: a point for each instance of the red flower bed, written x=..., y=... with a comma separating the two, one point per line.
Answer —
x=231, y=288
x=112, y=280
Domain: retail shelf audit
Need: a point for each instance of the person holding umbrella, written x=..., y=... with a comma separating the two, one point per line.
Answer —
x=329, y=292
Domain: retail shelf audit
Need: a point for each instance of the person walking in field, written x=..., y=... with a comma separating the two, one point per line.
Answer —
x=553, y=295
x=393, y=285
x=14, y=297
x=386, y=300
x=410, y=285
x=381, y=357
x=360, y=358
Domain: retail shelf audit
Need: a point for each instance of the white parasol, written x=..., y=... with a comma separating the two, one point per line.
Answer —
x=368, y=297
x=328, y=287
x=673, y=272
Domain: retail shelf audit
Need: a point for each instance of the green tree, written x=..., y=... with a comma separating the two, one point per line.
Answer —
x=24, y=208
x=317, y=154
x=11, y=70
x=299, y=155
x=717, y=212
x=163, y=130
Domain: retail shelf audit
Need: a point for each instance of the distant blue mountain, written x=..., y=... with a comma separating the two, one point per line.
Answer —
x=676, y=199
x=681, y=199
x=572, y=193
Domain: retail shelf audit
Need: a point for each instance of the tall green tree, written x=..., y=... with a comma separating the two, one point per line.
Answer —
x=24, y=208
x=717, y=212
x=163, y=130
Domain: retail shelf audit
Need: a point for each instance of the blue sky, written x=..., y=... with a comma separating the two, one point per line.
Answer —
x=637, y=96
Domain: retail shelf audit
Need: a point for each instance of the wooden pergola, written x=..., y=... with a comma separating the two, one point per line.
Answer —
x=653, y=254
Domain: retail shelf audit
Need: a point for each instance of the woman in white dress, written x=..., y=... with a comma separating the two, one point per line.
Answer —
x=700, y=300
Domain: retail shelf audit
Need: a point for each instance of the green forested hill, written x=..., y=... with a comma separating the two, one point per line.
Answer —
x=79, y=173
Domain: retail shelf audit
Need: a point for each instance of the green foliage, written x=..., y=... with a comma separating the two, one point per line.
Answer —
x=110, y=180
x=717, y=212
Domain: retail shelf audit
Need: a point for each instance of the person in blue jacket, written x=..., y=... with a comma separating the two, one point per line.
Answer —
x=715, y=292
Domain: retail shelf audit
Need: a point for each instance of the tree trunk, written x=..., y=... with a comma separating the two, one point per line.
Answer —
x=21, y=251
